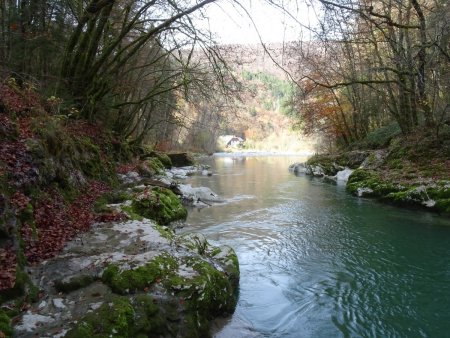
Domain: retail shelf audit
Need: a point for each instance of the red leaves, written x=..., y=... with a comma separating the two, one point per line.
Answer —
x=16, y=99
x=79, y=128
x=19, y=200
x=57, y=223
x=24, y=128
x=125, y=168
x=18, y=162
x=8, y=268
x=111, y=217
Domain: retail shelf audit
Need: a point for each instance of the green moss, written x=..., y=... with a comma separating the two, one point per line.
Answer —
x=440, y=191
x=379, y=138
x=5, y=324
x=165, y=232
x=147, y=318
x=181, y=159
x=410, y=195
x=196, y=243
x=134, y=280
x=210, y=293
x=362, y=178
x=114, y=197
x=74, y=283
x=155, y=164
x=112, y=319
x=59, y=154
x=326, y=162
x=159, y=204
x=123, y=317
x=359, y=179
x=206, y=294
x=225, y=255
x=165, y=160
x=26, y=214
x=443, y=205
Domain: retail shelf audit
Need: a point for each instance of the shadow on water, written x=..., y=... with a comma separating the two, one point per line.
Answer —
x=317, y=262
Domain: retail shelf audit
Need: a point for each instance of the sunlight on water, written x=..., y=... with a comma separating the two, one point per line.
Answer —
x=317, y=262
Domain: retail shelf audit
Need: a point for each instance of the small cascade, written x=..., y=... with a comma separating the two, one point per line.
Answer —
x=343, y=175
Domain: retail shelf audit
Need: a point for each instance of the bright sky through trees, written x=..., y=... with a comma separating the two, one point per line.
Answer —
x=231, y=23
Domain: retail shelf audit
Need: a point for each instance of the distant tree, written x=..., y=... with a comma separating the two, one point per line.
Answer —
x=380, y=61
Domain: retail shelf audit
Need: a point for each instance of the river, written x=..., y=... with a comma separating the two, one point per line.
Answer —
x=318, y=262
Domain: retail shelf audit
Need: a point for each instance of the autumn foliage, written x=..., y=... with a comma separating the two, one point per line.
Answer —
x=37, y=216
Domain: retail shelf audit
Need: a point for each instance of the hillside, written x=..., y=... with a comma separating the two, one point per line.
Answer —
x=259, y=112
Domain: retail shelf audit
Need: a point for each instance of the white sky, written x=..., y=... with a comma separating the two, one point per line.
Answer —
x=232, y=25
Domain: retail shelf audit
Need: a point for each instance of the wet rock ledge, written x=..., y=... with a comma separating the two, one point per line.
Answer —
x=135, y=277
x=132, y=279
x=410, y=180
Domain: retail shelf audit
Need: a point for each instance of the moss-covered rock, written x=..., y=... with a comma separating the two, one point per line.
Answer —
x=331, y=164
x=112, y=319
x=224, y=254
x=368, y=182
x=129, y=280
x=434, y=196
x=204, y=290
x=165, y=160
x=73, y=283
x=159, y=204
x=155, y=164
x=113, y=197
x=5, y=325
x=181, y=159
x=326, y=163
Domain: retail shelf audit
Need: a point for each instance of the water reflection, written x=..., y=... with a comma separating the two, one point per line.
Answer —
x=316, y=262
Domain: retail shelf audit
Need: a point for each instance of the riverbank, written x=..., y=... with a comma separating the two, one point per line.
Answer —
x=412, y=171
x=86, y=243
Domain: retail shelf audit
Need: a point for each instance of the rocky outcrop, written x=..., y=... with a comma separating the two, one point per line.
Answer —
x=198, y=196
x=131, y=279
x=336, y=173
x=430, y=195
x=159, y=204
x=381, y=174
x=132, y=276
x=181, y=159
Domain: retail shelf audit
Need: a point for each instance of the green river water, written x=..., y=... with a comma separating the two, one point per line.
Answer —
x=318, y=262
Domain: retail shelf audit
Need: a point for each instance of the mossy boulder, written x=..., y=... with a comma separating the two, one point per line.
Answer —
x=181, y=159
x=150, y=167
x=368, y=182
x=73, y=283
x=125, y=281
x=330, y=164
x=320, y=165
x=224, y=254
x=159, y=204
x=434, y=196
x=165, y=160
x=155, y=164
x=440, y=194
x=204, y=291
x=5, y=325
x=150, y=285
x=115, y=318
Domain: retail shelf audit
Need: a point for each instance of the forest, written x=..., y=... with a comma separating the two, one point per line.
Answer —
x=141, y=69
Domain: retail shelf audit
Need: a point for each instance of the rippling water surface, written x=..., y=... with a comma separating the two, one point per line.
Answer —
x=317, y=262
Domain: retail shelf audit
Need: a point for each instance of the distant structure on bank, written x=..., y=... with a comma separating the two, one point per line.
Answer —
x=230, y=141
